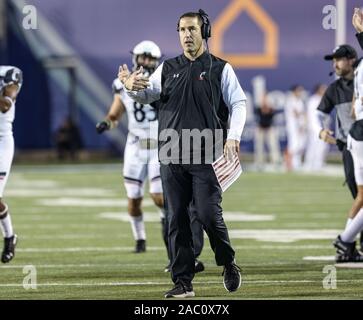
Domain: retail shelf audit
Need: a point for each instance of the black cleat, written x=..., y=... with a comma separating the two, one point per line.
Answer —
x=9, y=249
x=180, y=290
x=199, y=266
x=346, y=251
x=231, y=277
x=140, y=246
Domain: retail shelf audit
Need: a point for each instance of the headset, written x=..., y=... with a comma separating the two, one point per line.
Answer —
x=206, y=26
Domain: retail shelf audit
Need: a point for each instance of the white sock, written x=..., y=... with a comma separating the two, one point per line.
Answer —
x=349, y=221
x=162, y=213
x=354, y=228
x=138, y=227
x=6, y=225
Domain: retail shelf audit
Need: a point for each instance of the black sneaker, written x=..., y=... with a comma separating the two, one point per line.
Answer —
x=140, y=246
x=199, y=266
x=346, y=251
x=232, y=277
x=9, y=249
x=180, y=290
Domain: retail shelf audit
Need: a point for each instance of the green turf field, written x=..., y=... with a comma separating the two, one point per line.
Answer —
x=69, y=227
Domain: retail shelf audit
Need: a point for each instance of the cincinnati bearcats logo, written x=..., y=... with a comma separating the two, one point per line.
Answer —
x=202, y=76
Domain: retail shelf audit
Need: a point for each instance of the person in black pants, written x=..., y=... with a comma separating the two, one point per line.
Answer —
x=197, y=235
x=198, y=94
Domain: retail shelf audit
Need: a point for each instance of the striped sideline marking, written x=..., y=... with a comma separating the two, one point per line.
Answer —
x=167, y=283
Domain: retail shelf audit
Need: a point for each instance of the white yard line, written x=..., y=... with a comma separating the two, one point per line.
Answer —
x=68, y=168
x=155, y=217
x=75, y=236
x=84, y=265
x=283, y=235
x=153, y=283
x=56, y=192
x=88, y=202
x=319, y=258
x=85, y=249
x=350, y=265
x=162, y=248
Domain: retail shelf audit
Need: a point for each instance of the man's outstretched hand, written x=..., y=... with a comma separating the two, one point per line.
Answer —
x=135, y=81
x=357, y=20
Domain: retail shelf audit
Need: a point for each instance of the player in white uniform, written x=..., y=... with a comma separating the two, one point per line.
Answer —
x=345, y=242
x=141, y=153
x=10, y=85
x=316, y=148
x=295, y=127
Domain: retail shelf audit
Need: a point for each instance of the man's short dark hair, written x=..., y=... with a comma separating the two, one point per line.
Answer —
x=190, y=15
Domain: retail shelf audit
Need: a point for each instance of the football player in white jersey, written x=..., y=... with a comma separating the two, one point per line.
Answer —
x=141, y=153
x=10, y=85
x=295, y=116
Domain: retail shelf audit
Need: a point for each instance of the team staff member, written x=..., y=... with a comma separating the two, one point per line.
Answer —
x=197, y=91
x=141, y=157
x=339, y=96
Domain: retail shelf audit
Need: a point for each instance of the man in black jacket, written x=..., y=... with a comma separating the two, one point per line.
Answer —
x=198, y=93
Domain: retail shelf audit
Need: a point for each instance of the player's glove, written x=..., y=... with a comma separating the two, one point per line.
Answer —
x=103, y=126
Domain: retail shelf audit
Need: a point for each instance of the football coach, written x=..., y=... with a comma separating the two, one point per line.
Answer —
x=200, y=98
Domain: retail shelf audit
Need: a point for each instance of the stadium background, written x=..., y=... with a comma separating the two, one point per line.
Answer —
x=285, y=41
x=72, y=218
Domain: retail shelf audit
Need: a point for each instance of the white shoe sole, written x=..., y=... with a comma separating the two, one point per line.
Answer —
x=189, y=294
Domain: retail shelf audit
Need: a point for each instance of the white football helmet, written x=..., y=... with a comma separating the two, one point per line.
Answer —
x=148, y=48
x=10, y=75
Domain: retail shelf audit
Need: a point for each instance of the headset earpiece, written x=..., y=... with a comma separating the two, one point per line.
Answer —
x=206, y=27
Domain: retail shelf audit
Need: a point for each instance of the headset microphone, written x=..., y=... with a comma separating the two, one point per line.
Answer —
x=331, y=73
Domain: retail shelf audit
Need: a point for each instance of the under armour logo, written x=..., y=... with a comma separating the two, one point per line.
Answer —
x=202, y=75
x=176, y=75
